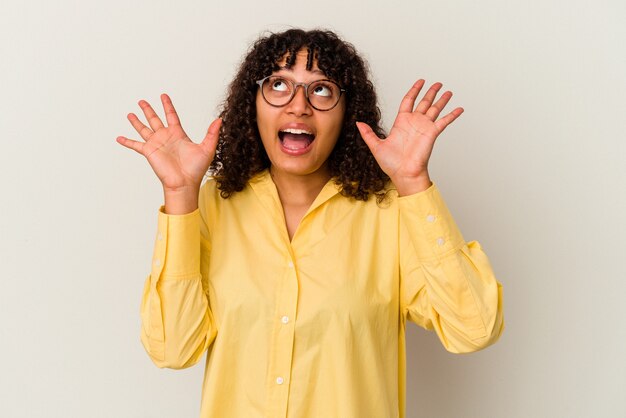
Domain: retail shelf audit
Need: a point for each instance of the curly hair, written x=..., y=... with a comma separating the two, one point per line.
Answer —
x=240, y=153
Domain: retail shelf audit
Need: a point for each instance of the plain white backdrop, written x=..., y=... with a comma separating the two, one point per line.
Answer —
x=535, y=169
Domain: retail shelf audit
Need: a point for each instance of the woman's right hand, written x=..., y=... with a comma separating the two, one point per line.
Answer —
x=179, y=163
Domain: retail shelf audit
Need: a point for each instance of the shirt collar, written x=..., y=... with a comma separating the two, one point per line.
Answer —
x=265, y=189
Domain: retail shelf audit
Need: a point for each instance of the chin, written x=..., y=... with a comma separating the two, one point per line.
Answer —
x=297, y=169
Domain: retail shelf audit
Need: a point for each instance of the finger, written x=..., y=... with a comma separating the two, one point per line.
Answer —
x=368, y=135
x=448, y=119
x=209, y=143
x=141, y=129
x=129, y=143
x=437, y=107
x=170, y=113
x=427, y=101
x=408, y=101
x=153, y=120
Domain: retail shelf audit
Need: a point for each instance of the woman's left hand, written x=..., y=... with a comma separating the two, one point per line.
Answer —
x=404, y=154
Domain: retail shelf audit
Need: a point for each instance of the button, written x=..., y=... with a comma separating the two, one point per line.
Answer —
x=157, y=262
x=280, y=380
x=430, y=218
x=284, y=319
x=290, y=264
x=440, y=241
x=160, y=237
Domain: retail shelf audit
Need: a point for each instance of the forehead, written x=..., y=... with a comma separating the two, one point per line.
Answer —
x=302, y=61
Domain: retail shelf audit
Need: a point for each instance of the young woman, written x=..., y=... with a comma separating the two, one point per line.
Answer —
x=298, y=263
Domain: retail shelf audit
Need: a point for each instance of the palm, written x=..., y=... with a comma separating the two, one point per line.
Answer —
x=405, y=152
x=176, y=160
x=407, y=149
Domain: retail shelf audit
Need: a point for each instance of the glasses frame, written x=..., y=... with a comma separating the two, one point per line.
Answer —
x=305, y=86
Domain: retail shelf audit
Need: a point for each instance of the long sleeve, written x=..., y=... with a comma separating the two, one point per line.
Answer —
x=446, y=284
x=177, y=323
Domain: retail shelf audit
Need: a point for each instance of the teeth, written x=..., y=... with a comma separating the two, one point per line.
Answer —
x=297, y=131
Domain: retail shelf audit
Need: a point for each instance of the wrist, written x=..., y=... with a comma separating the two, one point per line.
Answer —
x=411, y=185
x=181, y=201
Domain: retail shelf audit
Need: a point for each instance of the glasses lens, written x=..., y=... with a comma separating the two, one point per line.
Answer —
x=277, y=91
x=324, y=94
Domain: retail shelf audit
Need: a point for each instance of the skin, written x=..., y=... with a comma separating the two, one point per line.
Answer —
x=299, y=179
x=180, y=164
x=404, y=154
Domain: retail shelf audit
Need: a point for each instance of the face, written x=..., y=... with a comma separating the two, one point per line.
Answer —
x=298, y=139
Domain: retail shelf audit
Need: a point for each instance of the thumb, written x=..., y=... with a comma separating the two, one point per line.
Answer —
x=368, y=135
x=209, y=143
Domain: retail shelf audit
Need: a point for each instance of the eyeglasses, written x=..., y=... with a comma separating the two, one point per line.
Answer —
x=321, y=94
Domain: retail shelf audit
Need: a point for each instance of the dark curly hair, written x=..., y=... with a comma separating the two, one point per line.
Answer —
x=240, y=153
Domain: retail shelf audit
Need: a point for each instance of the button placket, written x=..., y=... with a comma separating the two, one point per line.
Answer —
x=281, y=354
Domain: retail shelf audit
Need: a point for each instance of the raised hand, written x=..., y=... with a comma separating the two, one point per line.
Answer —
x=178, y=162
x=404, y=154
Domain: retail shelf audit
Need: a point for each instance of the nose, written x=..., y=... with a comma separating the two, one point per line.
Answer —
x=299, y=104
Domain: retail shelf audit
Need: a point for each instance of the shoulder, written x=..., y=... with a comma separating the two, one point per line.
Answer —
x=208, y=189
x=383, y=202
x=386, y=199
x=209, y=198
x=212, y=197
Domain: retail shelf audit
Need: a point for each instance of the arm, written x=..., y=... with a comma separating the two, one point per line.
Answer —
x=177, y=324
x=446, y=284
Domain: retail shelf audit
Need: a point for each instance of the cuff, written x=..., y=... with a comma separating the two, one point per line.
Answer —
x=177, y=245
x=430, y=225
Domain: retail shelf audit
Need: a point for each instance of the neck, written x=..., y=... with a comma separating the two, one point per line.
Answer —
x=296, y=190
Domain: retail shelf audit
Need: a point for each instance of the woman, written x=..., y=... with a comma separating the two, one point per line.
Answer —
x=297, y=264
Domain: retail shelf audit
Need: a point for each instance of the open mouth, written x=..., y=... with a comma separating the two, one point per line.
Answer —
x=295, y=139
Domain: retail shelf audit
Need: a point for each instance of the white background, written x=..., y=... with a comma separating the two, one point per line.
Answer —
x=534, y=170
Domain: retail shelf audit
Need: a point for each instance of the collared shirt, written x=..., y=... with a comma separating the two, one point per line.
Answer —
x=312, y=327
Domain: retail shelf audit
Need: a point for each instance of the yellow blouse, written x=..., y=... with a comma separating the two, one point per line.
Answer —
x=314, y=327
